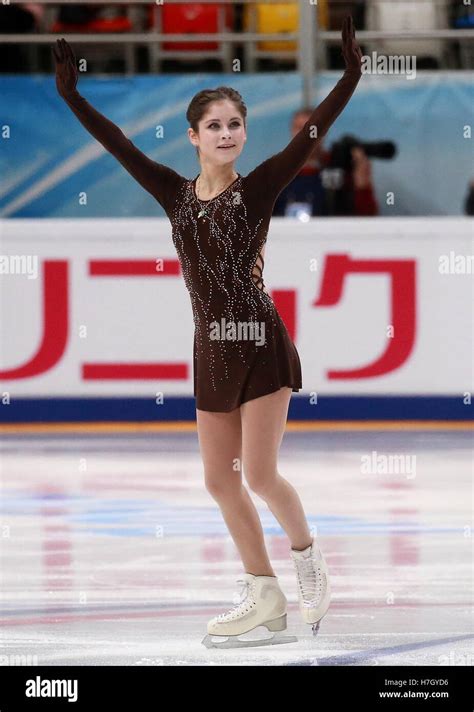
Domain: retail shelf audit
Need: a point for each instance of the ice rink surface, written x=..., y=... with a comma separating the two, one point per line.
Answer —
x=114, y=553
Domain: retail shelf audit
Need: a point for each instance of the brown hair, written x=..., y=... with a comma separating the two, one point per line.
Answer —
x=200, y=103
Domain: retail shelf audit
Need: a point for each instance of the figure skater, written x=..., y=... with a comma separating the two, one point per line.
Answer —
x=245, y=363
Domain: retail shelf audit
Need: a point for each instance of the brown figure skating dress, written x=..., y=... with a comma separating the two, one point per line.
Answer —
x=242, y=349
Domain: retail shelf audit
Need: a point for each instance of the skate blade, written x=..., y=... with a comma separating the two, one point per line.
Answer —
x=231, y=641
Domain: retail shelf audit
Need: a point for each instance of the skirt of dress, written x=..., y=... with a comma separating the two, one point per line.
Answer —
x=222, y=384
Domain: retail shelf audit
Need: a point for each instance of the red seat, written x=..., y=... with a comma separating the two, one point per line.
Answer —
x=115, y=24
x=191, y=19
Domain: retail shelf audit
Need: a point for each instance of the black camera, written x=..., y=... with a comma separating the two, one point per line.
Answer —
x=336, y=175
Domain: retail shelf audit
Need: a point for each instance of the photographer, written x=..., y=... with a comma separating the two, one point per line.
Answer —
x=306, y=188
x=334, y=182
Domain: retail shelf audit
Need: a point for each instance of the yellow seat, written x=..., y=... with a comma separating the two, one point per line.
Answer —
x=281, y=17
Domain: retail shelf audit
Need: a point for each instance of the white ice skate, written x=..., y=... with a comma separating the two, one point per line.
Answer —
x=314, y=588
x=262, y=603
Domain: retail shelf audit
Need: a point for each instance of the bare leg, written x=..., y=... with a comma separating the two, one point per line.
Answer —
x=263, y=425
x=220, y=441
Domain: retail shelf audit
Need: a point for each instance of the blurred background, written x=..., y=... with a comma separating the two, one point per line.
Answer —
x=146, y=60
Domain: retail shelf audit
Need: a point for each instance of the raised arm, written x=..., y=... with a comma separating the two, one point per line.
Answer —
x=159, y=180
x=278, y=170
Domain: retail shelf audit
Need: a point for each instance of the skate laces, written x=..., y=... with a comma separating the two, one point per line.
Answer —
x=243, y=606
x=309, y=580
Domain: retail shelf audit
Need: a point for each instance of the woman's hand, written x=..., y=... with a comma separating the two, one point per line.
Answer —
x=350, y=49
x=66, y=71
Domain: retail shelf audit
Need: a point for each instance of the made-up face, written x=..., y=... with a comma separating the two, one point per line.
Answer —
x=221, y=126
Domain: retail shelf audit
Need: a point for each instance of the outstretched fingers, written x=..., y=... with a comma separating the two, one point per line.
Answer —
x=344, y=31
x=60, y=51
x=350, y=48
x=57, y=51
x=64, y=49
x=348, y=30
x=70, y=53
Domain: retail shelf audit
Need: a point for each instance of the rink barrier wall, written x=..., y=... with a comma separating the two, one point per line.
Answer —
x=129, y=415
x=380, y=310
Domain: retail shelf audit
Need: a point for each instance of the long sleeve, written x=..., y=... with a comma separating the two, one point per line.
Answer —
x=277, y=171
x=159, y=180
